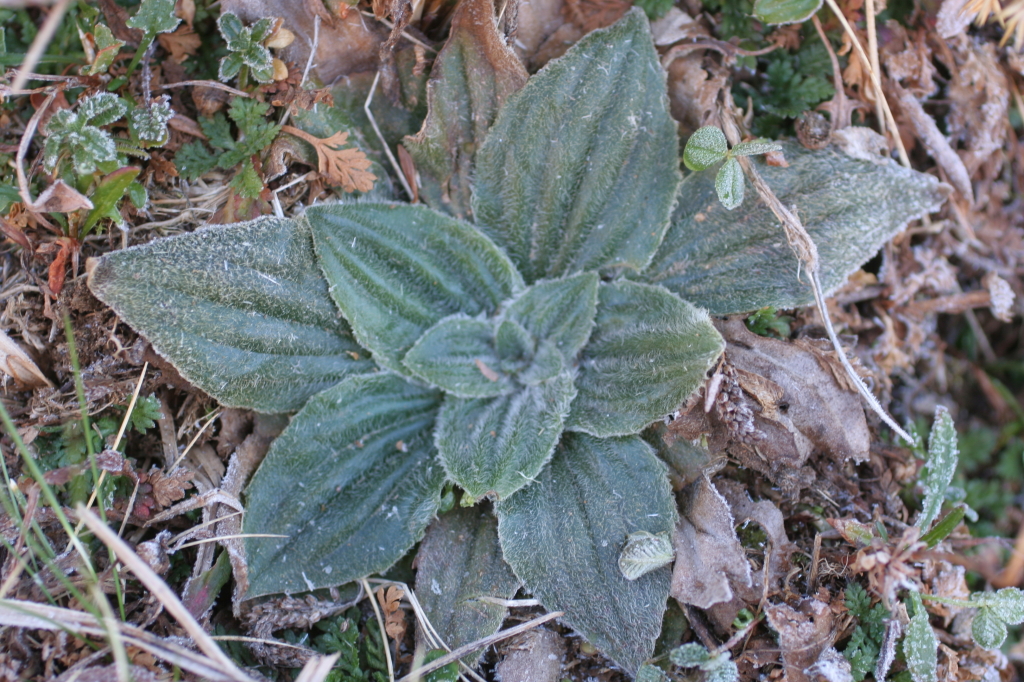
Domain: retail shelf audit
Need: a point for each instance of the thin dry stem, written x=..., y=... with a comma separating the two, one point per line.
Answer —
x=380, y=136
x=39, y=44
x=869, y=10
x=879, y=95
x=383, y=631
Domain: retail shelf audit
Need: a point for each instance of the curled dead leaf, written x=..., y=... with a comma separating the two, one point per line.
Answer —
x=17, y=364
x=61, y=198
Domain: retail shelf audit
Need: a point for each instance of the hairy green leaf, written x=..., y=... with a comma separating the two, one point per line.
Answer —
x=920, y=646
x=755, y=147
x=1007, y=604
x=396, y=270
x=785, y=11
x=648, y=352
x=245, y=44
x=458, y=562
x=77, y=133
x=988, y=630
x=644, y=553
x=155, y=16
x=457, y=355
x=689, y=655
x=472, y=77
x=107, y=47
x=242, y=311
x=560, y=311
x=996, y=610
x=943, y=455
x=706, y=147
x=148, y=123
x=574, y=173
x=495, y=446
x=352, y=482
x=562, y=535
x=729, y=183
x=738, y=261
x=651, y=673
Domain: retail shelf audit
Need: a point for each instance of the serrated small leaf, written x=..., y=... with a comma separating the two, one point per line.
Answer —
x=574, y=173
x=560, y=311
x=106, y=195
x=458, y=562
x=495, y=446
x=396, y=270
x=563, y=533
x=729, y=183
x=472, y=77
x=920, y=645
x=785, y=11
x=155, y=16
x=689, y=655
x=706, y=147
x=149, y=123
x=943, y=455
x=648, y=352
x=644, y=552
x=100, y=109
x=457, y=355
x=242, y=311
x=739, y=261
x=754, y=147
x=1006, y=604
x=989, y=631
x=352, y=482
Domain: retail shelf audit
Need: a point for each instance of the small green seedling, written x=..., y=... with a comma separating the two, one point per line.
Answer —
x=708, y=146
x=154, y=17
x=248, y=53
x=920, y=645
x=996, y=611
x=79, y=135
x=866, y=641
x=717, y=667
x=940, y=467
x=148, y=123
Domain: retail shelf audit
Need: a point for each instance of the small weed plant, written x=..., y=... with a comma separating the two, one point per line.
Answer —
x=512, y=349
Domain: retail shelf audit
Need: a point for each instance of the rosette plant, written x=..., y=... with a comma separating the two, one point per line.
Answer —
x=506, y=346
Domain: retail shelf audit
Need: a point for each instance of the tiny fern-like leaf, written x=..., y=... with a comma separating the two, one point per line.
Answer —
x=457, y=355
x=648, y=352
x=940, y=467
x=920, y=645
x=578, y=171
x=396, y=270
x=495, y=446
x=352, y=483
x=242, y=311
x=562, y=535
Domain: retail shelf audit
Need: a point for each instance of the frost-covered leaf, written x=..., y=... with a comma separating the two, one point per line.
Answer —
x=149, y=123
x=107, y=47
x=920, y=645
x=1007, y=604
x=242, y=311
x=457, y=355
x=245, y=44
x=458, y=562
x=352, y=482
x=943, y=455
x=706, y=147
x=689, y=655
x=562, y=535
x=988, y=630
x=644, y=552
x=396, y=270
x=77, y=134
x=739, y=261
x=574, y=173
x=472, y=77
x=155, y=16
x=559, y=311
x=498, y=445
x=755, y=147
x=729, y=184
x=648, y=352
x=651, y=673
x=785, y=11
x=724, y=670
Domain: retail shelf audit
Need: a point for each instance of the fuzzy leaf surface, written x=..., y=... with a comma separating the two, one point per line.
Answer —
x=574, y=174
x=648, y=352
x=739, y=261
x=498, y=445
x=559, y=311
x=458, y=562
x=457, y=355
x=472, y=77
x=785, y=11
x=943, y=454
x=562, y=535
x=706, y=147
x=396, y=270
x=729, y=184
x=242, y=311
x=920, y=645
x=352, y=482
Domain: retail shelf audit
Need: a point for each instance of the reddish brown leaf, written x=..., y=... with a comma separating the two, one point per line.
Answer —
x=347, y=168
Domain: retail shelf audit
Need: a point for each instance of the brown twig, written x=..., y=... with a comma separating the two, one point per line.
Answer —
x=837, y=78
x=206, y=84
x=39, y=43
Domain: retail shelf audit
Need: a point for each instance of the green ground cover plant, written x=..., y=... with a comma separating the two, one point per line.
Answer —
x=516, y=352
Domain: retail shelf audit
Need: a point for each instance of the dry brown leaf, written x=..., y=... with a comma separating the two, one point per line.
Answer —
x=394, y=617
x=169, y=488
x=61, y=198
x=182, y=43
x=709, y=557
x=344, y=167
x=804, y=634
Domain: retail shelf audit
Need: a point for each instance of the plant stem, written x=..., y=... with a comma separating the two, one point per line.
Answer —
x=147, y=40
